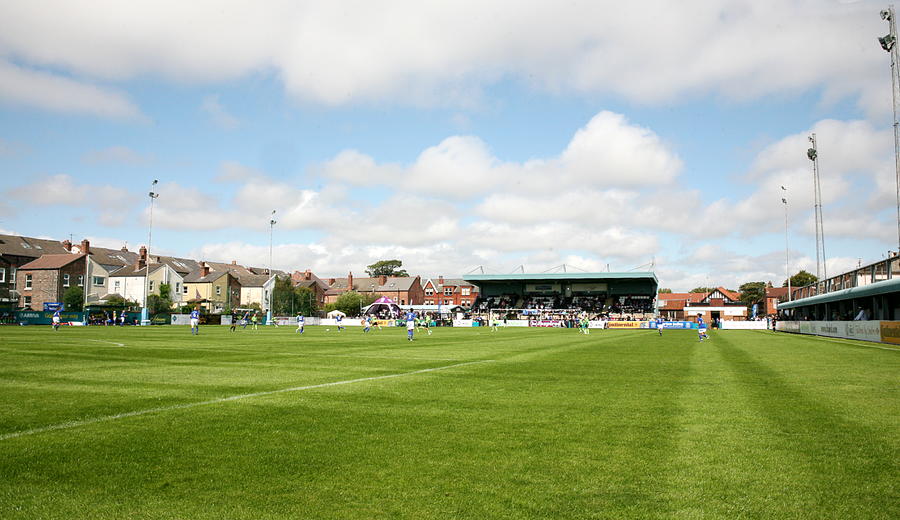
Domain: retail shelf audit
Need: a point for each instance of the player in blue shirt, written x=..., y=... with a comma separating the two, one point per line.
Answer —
x=367, y=324
x=56, y=320
x=195, y=321
x=410, y=324
x=340, y=322
x=659, y=325
x=300, y=322
x=701, y=328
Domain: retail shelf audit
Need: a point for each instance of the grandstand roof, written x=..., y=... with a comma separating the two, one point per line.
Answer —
x=559, y=276
x=883, y=287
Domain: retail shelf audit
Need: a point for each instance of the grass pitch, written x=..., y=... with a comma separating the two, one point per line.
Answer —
x=155, y=423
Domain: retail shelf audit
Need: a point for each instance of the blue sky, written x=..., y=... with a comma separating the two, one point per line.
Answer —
x=453, y=135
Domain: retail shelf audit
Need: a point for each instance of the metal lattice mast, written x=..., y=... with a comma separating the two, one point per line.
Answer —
x=888, y=43
x=813, y=154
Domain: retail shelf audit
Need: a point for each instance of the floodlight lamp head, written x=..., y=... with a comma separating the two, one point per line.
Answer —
x=887, y=42
x=812, y=154
x=155, y=182
x=885, y=14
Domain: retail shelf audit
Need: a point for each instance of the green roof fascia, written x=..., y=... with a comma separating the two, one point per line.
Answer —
x=559, y=276
x=883, y=287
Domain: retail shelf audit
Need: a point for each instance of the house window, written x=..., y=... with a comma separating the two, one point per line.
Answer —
x=448, y=291
x=28, y=282
x=429, y=292
x=218, y=290
x=26, y=301
x=99, y=280
x=151, y=285
x=465, y=302
x=12, y=275
x=177, y=287
x=81, y=280
x=184, y=289
x=65, y=280
x=117, y=286
x=466, y=291
x=2, y=274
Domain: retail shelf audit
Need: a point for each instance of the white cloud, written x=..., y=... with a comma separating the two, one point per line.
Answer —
x=218, y=114
x=21, y=86
x=608, y=152
x=62, y=190
x=117, y=155
x=439, y=52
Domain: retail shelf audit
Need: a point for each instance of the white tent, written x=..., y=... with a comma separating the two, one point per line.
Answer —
x=336, y=312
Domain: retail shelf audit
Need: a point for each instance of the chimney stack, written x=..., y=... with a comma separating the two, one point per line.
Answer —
x=85, y=247
x=204, y=270
x=234, y=262
x=67, y=244
x=382, y=280
x=441, y=279
x=124, y=248
x=307, y=275
x=350, y=281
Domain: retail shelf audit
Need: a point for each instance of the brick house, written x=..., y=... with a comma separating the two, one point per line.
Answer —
x=449, y=291
x=774, y=296
x=312, y=282
x=46, y=279
x=406, y=290
x=720, y=303
x=16, y=251
x=215, y=291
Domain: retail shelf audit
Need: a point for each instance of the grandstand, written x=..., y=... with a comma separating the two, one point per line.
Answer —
x=615, y=296
x=869, y=292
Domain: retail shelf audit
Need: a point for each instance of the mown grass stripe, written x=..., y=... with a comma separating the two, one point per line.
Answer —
x=136, y=413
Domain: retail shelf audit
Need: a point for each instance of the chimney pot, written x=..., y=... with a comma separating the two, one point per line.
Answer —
x=234, y=262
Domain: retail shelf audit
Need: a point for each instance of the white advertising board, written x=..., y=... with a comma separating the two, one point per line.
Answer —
x=743, y=325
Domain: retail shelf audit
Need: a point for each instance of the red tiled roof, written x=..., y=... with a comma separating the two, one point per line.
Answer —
x=52, y=261
x=776, y=292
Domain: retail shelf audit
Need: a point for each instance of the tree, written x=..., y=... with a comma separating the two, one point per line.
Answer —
x=289, y=300
x=801, y=279
x=116, y=300
x=386, y=268
x=74, y=299
x=162, y=302
x=752, y=292
x=702, y=289
x=351, y=302
x=665, y=291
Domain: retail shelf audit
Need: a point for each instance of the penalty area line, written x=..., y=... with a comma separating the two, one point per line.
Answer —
x=136, y=413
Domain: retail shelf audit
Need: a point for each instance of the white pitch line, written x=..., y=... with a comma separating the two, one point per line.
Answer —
x=85, y=422
x=110, y=342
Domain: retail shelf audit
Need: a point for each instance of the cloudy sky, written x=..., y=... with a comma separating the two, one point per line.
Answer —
x=453, y=135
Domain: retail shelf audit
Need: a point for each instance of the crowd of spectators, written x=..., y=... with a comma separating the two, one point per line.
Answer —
x=559, y=307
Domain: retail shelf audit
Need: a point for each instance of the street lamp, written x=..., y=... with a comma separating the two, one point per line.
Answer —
x=787, y=254
x=272, y=223
x=145, y=313
x=889, y=44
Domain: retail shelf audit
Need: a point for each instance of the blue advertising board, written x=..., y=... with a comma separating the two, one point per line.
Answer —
x=679, y=325
x=54, y=306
